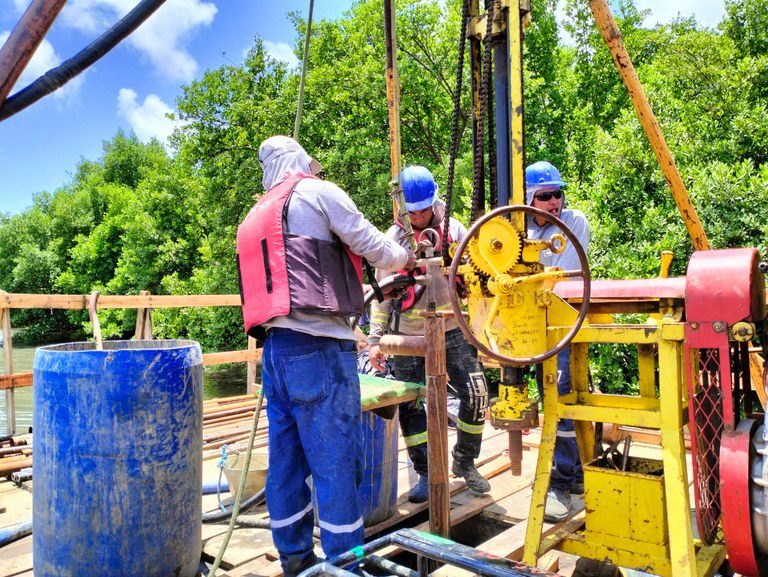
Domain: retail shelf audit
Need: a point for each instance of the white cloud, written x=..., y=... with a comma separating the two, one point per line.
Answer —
x=707, y=12
x=282, y=52
x=21, y=5
x=163, y=36
x=42, y=61
x=148, y=119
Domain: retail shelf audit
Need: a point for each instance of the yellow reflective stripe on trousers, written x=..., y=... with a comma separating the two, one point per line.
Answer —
x=330, y=527
x=467, y=428
x=417, y=439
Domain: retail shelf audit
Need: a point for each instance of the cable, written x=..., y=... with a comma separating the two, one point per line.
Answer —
x=241, y=488
x=57, y=77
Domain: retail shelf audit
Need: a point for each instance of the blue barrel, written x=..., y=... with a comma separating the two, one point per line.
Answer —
x=378, y=491
x=118, y=459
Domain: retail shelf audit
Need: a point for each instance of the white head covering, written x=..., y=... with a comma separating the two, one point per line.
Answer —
x=281, y=157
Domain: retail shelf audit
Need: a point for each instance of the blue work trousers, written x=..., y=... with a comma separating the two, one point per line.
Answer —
x=566, y=468
x=313, y=405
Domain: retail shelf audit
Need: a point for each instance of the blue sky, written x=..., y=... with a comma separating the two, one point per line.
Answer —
x=136, y=84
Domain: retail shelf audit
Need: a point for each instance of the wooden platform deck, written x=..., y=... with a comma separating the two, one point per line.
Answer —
x=498, y=518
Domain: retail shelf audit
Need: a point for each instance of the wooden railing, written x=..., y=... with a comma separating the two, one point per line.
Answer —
x=143, y=303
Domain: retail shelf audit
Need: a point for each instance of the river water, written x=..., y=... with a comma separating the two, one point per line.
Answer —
x=223, y=381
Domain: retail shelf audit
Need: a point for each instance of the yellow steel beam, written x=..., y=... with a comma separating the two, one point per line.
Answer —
x=631, y=417
x=646, y=369
x=617, y=401
x=709, y=559
x=612, y=36
x=543, y=465
x=577, y=545
x=517, y=132
x=681, y=549
x=627, y=334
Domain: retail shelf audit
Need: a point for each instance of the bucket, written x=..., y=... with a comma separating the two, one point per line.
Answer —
x=257, y=472
x=118, y=459
x=377, y=492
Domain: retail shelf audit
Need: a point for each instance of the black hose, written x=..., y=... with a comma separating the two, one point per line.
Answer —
x=216, y=516
x=66, y=71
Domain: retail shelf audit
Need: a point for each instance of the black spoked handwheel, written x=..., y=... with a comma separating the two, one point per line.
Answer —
x=583, y=272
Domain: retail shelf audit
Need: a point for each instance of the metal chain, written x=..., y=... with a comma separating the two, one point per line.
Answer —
x=478, y=159
x=455, y=137
x=490, y=6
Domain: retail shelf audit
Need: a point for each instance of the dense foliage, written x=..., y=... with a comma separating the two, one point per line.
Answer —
x=139, y=218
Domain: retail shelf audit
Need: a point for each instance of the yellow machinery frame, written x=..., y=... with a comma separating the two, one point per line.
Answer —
x=658, y=534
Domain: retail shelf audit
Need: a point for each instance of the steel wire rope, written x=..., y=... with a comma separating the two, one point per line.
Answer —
x=305, y=58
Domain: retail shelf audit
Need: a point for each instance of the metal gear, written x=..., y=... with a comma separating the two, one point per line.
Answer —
x=495, y=248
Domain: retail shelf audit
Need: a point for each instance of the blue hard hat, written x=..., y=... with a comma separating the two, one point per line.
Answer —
x=419, y=188
x=541, y=175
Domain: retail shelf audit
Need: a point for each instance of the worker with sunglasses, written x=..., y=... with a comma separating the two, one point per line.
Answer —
x=545, y=190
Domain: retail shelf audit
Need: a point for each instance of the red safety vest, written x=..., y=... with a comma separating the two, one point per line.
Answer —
x=281, y=272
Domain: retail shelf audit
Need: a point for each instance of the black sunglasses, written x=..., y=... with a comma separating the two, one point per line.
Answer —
x=545, y=196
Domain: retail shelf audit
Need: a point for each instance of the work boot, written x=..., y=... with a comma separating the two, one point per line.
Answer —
x=558, y=505
x=475, y=481
x=295, y=565
x=419, y=493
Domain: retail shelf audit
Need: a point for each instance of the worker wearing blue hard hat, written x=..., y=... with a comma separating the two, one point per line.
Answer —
x=545, y=190
x=467, y=381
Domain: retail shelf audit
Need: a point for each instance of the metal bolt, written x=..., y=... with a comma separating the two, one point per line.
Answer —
x=694, y=326
x=496, y=245
x=718, y=326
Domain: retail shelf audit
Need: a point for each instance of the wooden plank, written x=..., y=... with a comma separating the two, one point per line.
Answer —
x=80, y=302
x=231, y=357
x=15, y=381
x=245, y=545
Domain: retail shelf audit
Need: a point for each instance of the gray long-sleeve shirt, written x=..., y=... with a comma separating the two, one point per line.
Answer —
x=568, y=259
x=320, y=209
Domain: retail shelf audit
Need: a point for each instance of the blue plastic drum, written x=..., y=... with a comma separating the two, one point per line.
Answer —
x=118, y=459
x=377, y=492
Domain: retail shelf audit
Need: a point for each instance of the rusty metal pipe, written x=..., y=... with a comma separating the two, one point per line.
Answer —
x=437, y=427
x=612, y=36
x=516, y=452
x=393, y=103
x=414, y=346
x=24, y=40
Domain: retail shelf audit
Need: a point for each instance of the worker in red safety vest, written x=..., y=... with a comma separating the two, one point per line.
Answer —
x=299, y=253
x=467, y=380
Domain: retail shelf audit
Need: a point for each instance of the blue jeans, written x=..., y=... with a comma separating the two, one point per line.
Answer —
x=566, y=468
x=313, y=405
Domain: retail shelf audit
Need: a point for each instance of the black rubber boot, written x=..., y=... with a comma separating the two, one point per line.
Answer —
x=475, y=481
x=420, y=491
